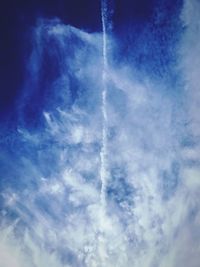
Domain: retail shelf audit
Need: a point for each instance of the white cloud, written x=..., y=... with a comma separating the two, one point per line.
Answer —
x=61, y=212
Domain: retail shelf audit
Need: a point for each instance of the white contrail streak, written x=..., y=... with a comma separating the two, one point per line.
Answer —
x=103, y=154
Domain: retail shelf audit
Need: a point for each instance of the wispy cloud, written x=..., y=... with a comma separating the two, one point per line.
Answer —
x=51, y=209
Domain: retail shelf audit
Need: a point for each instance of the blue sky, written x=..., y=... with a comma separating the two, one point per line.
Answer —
x=99, y=153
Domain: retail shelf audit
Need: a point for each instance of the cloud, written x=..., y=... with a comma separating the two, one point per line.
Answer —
x=190, y=64
x=51, y=212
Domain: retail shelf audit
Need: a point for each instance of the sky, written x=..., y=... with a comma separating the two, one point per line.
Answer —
x=99, y=133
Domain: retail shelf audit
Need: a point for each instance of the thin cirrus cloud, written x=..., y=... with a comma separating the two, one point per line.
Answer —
x=51, y=204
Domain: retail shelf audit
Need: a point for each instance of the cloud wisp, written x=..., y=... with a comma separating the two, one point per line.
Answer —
x=51, y=211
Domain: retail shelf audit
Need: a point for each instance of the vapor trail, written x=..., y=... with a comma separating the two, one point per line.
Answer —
x=103, y=153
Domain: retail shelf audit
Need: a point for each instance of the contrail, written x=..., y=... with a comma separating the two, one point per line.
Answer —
x=102, y=247
x=103, y=153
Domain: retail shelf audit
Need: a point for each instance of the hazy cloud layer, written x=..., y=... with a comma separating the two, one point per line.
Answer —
x=51, y=212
